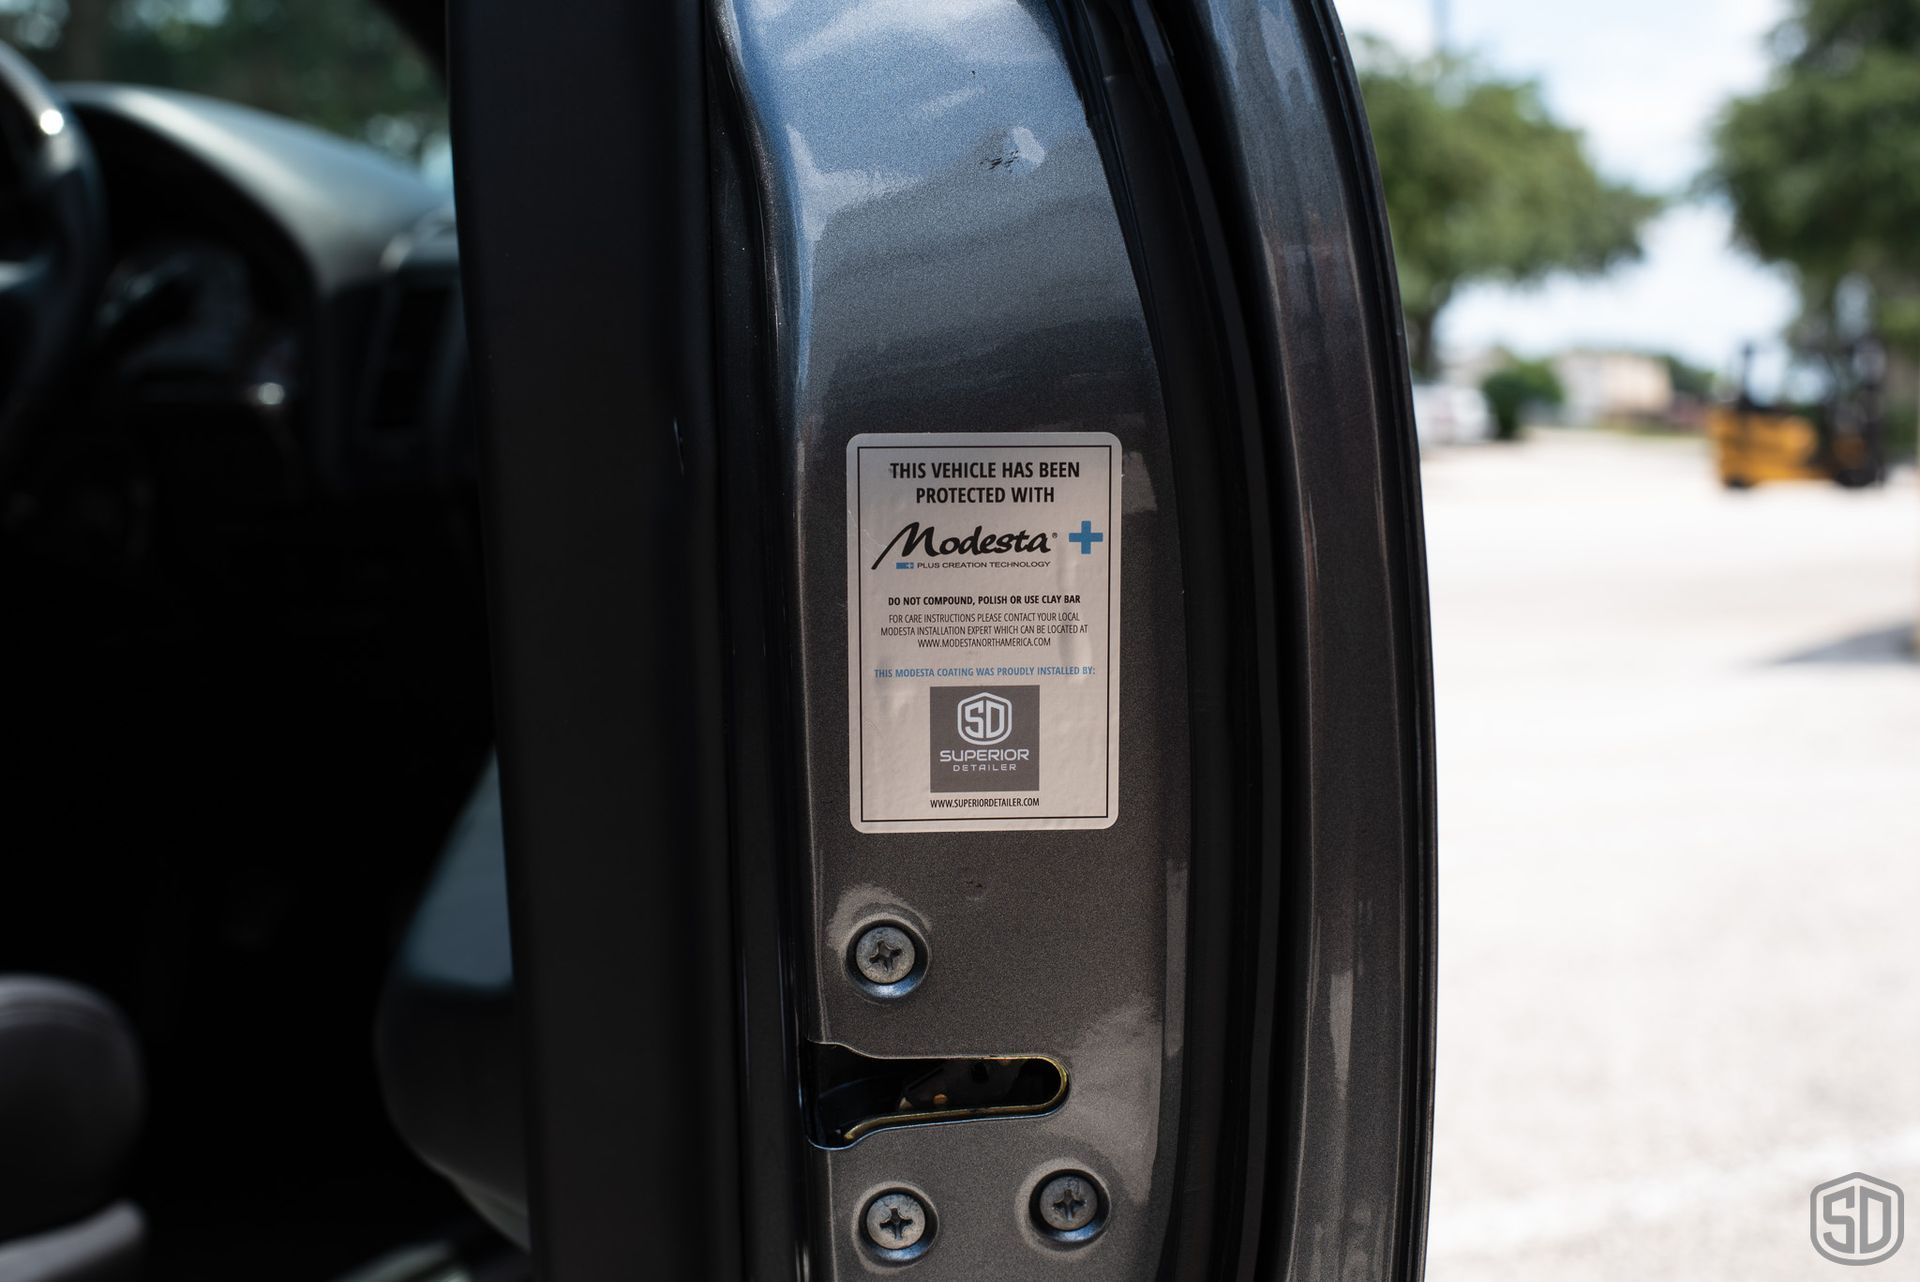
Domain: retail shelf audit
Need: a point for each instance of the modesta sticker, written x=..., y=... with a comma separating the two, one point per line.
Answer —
x=983, y=630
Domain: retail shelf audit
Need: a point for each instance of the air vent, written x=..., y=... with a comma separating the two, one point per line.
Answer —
x=408, y=364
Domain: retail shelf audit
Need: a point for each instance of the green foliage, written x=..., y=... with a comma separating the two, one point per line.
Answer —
x=1514, y=389
x=338, y=64
x=1903, y=430
x=1688, y=379
x=1483, y=185
x=1822, y=167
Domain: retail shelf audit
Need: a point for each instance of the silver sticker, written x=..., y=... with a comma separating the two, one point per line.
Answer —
x=983, y=637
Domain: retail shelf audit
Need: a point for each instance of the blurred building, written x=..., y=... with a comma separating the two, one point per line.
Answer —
x=1602, y=386
x=1450, y=414
x=1471, y=368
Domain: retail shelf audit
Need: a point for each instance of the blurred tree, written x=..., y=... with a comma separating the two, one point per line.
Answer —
x=1483, y=185
x=1822, y=168
x=1689, y=380
x=1514, y=389
x=339, y=64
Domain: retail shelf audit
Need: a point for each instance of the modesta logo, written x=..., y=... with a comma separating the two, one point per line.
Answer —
x=983, y=739
x=913, y=540
x=985, y=719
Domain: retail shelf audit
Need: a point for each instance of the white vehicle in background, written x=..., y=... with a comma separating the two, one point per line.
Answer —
x=1451, y=414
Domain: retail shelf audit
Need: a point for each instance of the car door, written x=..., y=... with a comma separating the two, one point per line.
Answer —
x=959, y=608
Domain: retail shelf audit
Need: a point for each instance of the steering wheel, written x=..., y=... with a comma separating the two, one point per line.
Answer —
x=52, y=243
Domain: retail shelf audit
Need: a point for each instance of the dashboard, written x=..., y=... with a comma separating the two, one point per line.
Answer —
x=243, y=611
x=283, y=306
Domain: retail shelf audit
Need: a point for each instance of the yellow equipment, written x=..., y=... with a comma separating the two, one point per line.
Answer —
x=1754, y=446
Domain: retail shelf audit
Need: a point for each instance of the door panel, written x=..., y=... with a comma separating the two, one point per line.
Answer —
x=944, y=257
x=707, y=252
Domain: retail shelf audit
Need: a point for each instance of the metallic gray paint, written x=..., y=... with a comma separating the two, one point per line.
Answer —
x=945, y=256
x=1349, y=1199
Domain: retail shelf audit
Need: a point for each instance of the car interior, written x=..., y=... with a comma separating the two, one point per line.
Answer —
x=255, y=984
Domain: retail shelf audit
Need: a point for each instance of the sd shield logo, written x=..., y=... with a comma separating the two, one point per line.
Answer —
x=985, y=719
x=1858, y=1219
x=984, y=739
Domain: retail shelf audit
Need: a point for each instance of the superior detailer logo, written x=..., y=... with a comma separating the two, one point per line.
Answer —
x=984, y=738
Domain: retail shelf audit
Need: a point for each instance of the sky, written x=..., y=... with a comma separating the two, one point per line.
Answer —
x=1643, y=80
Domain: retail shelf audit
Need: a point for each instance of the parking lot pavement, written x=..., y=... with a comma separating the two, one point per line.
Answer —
x=1679, y=754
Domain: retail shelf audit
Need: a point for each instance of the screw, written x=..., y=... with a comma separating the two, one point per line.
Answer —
x=1068, y=1206
x=885, y=955
x=896, y=1221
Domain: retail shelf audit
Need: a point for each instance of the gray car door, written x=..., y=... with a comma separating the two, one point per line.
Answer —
x=959, y=606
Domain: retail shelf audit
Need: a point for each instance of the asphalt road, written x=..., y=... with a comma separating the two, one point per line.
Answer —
x=1680, y=862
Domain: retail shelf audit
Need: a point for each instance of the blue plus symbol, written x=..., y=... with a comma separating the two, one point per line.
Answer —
x=1086, y=538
